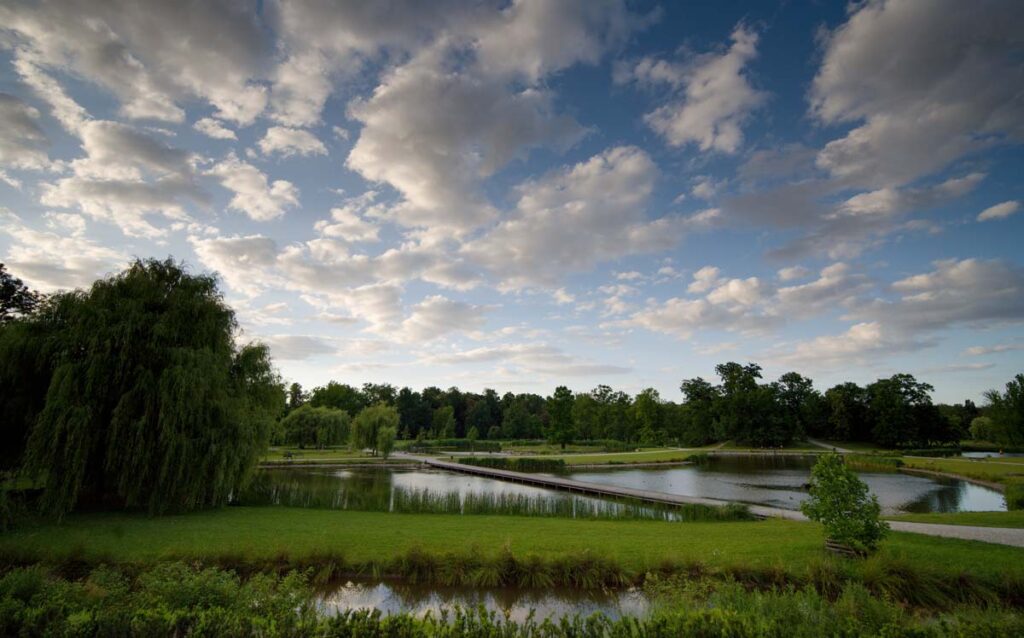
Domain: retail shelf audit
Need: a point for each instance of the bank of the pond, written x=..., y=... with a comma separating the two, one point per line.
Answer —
x=277, y=535
x=1014, y=519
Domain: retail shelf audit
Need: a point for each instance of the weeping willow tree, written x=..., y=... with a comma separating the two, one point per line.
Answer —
x=150, y=403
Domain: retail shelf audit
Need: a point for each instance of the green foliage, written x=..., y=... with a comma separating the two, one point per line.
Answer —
x=339, y=396
x=367, y=426
x=386, y=440
x=1014, y=494
x=1006, y=410
x=316, y=427
x=873, y=462
x=150, y=403
x=16, y=299
x=179, y=600
x=560, y=425
x=841, y=502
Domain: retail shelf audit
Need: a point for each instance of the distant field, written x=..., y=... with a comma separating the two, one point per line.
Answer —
x=658, y=455
x=265, y=535
x=981, y=519
x=332, y=454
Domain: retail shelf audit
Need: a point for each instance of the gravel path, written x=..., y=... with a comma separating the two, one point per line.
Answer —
x=1000, y=535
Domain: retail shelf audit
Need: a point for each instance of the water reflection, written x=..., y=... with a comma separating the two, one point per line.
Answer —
x=554, y=603
x=780, y=480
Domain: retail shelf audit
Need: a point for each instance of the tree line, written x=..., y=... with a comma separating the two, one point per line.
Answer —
x=893, y=412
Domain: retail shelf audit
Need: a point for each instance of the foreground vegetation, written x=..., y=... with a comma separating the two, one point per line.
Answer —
x=179, y=600
x=1013, y=519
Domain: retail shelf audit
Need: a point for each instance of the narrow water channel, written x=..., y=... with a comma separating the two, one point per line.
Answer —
x=397, y=597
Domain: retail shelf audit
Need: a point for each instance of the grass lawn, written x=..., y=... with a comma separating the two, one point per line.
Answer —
x=733, y=446
x=657, y=455
x=264, y=534
x=344, y=454
x=981, y=519
x=981, y=469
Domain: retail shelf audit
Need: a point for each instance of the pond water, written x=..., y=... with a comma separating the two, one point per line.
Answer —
x=991, y=455
x=778, y=481
x=397, y=597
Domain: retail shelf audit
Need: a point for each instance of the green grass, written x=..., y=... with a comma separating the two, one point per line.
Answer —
x=980, y=519
x=733, y=446
x=856, y=446
x=981, y=469
x=658, y=455
x=343, y=454
x=264, y=535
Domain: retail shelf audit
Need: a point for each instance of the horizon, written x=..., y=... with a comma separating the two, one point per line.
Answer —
x=520, y=195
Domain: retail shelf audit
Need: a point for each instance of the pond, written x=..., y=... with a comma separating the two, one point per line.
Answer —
x=779, y=480
x=776, y=481
x=399, y=597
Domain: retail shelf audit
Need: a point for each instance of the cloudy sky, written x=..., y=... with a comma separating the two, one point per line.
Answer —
x=530, y=193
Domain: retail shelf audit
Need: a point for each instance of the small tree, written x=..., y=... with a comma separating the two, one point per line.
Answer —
x=369, y=422
x=386, y=441
x=841, y=502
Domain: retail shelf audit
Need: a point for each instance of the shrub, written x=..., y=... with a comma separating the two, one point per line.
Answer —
x=517, y=464
x=1014, y=495
x=841, y=502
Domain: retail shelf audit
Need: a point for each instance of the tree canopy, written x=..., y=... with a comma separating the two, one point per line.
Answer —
x=148, y=401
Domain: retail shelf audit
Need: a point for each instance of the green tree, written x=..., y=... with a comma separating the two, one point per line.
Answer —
x=443, y=422
x=846, y=407
x=1006, y=409
x=296, y=397
x=340, y=396
x=16, y=299
x=316, y=427
x=698, y=418
x=647, y=414
x=842, y=503
x=150, y=402
x=902, y=414
x=368, y=423
x=560, y=426
x=386, y=440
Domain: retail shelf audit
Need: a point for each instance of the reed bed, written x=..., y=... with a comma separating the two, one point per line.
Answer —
x=873, y=463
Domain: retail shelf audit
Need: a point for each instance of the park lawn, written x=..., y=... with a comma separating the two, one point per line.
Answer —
x=657, y=455
x=733, y=446
x=856, y=446
x=981, y=469
x=256, y=536
x=345, y=454
x=981, y=519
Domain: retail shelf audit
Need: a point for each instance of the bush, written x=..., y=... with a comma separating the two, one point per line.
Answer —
x=841, y=502
x=1014, y=495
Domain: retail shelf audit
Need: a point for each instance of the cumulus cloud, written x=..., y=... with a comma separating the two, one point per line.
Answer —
x=215, y=129
x=22, y=142
x=287, y=142
x=437, y=316
x=433, y=134
x=861, y=344
x=977, y=351
x=50, y=260
x=715, y=97
x=254, y=195
x=540, y=358
x=297, y=347
x=347, y=222
x=152, y=54
x=243, y=262
x=956, y=88
x=999, y=211
x=575, y=218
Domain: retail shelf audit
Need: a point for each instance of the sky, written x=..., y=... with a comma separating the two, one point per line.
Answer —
x=524, y=194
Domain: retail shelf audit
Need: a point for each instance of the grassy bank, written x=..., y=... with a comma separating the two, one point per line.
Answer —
x=658, y=455
x=980, y=469
x=340, y=454
x=981, y=519
x=264, y=535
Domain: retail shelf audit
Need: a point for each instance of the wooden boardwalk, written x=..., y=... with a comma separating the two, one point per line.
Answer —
x=596, y=489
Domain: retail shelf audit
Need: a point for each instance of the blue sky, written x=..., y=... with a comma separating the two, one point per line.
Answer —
x=524, y=194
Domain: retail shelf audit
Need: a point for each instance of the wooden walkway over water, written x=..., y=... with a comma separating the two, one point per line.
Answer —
x=597, y=489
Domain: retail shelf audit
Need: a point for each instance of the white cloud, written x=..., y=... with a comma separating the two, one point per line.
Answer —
x=22, y=142
x=953, y=91
x=715, y=100
x=575, y=218
x=704, y=280
x=999, y=211
x=347, y=223
x=861, y=344
x=51, y=261
x=539, y=358
x=433, y=134
x=791, y=273
x=297, y=347
x=242, y=261
x=977, y=351
x=435, y=317
x=291, y=141
x=152, y=54
x=254, y=194
x=215, y=129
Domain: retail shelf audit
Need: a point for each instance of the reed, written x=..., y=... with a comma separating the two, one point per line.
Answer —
x=517, y=464
x=873, y=463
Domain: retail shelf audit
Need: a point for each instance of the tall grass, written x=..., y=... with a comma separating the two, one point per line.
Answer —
x=872, y=462
x=420, y=501
x=1014, y=494
x=517, y=464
